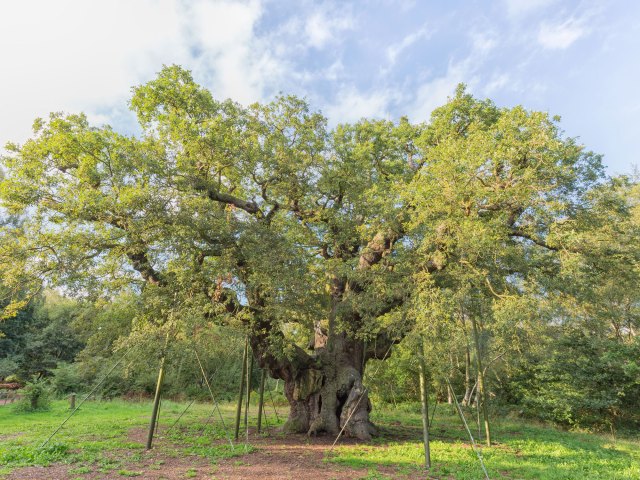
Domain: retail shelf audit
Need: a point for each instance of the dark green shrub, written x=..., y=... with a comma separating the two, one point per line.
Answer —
x=35, y=397
x=66, y=379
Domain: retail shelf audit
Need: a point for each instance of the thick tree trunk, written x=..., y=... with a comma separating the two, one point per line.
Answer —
x=325, y=389
x=330, y=396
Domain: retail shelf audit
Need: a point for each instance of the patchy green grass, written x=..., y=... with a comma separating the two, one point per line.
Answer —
x=99, y=440
x=97, y=437
x=522, y=450
x=96, y=428
x=129, y=473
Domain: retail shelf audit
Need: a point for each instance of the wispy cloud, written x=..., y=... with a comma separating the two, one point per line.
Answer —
x=394, y=50
x=521, y=8
x=558, y=36
x=231, y=57
x=334, y=71
x=351, y=105
x=483, y=42
x=87, y=67
x=323, y=26
x=435, y=91
x=497, y=82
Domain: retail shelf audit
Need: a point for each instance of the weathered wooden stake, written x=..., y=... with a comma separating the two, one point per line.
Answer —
x=241, y=393
x=158, y=416
x=249, y=372
x=481, y=390
x=466, y=426
x=246, y=408
x=273, y=402
x=424, y=397
x=261, y=399
x=156, y=404
x=72, y=401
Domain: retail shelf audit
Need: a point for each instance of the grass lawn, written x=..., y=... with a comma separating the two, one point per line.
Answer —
x=522, y=450
x=108, y=438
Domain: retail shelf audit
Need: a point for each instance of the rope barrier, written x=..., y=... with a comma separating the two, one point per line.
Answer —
x=188, y=406
x=179, y=417
x=275, y=410
x=215, y=402
x=87, y=396
x=473, y=442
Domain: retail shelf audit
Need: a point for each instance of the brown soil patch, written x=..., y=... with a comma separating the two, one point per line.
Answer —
x=149, y=469
x=274, y=458
x=291, y=457
x=8, y=401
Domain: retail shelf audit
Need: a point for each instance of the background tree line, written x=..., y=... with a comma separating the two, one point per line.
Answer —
x=71, y=344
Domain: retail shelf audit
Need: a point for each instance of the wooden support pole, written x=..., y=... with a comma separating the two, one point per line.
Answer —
x=249, y=372
x=481, y=384
x=156, y=404
x=72, y=401
x=246, y=408
x=424, y=398
x=261, y=399
x=241, y=393
x=466, y=426
x=158, y=416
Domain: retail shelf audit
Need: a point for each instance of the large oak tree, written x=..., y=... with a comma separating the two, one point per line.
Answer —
x=309, y=237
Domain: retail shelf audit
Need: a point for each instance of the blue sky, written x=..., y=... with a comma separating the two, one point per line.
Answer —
x=372, y=58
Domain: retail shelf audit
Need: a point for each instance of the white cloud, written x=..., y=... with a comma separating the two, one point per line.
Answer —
x=224, y=32
x=498, y=82
x=335, y=71
x=434, y=93
x=402, y=5
x=74, y=55
x=560, y=35
x=483, y=42
x=77, y=55
x=521, y=8
x=323, y=27
x=393, y=51
x=351, y=105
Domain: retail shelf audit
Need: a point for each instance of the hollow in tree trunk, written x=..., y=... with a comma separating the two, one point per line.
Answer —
x=332, y=397
x=326, y=393
x=325, y=389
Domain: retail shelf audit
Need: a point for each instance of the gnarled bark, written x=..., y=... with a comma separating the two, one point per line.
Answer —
x=332, y=396
x=325, y=389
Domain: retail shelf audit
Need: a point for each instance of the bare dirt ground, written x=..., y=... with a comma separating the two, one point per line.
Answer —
x=8, y=401
x=273, y=458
